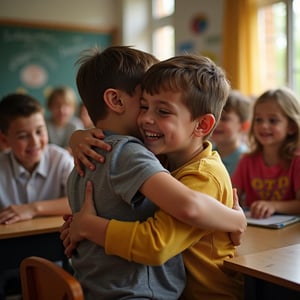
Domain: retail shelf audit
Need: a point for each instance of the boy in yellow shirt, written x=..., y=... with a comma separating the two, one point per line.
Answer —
x=181, y=104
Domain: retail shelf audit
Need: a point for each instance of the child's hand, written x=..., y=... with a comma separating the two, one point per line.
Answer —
x=262, y=209
x=78, y=226
x=65, y=237
x=81, y=143
x=16, y=213
x=236, y=237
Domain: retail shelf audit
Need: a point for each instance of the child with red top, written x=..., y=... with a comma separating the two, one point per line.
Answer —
x=267, y=178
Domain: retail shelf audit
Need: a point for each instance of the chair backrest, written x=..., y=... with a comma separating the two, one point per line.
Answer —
x=42, y=279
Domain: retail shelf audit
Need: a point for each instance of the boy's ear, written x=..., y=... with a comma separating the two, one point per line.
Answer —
x=113, y=100
x=3, y=140
x=204, y=125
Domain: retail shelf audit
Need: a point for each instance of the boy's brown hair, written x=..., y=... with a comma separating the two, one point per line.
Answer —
x=14, y=106
x=238, y=103
x=118, y=67
x=203, y=84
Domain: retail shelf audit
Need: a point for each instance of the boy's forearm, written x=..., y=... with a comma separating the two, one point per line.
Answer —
x=224, y=218
x=53, y=207
x=152, y=242
x=191, y=207
x=159, y=238
x=94, y=229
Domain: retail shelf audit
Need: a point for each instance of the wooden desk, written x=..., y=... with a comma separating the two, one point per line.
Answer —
x=280, y=266
x=258, y=239
x=39, y=236
x=270, y=261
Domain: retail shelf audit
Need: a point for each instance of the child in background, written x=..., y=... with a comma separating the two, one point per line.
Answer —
x=33, y=174
x=30, y=162
x=229, y=135
x=130, y=172
x=268, y=177
x=62, y=105
x=181, y=103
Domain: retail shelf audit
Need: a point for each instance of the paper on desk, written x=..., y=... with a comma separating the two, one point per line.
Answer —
x=275, y=221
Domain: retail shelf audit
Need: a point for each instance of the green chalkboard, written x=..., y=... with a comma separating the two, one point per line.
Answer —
x=35, y=58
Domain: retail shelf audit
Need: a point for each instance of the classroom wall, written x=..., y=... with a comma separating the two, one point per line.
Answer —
x=198, y=27
x=100, y=13
x=47, y=51
x=198, y=23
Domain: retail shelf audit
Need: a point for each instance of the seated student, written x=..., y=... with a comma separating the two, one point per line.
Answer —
x=33, y=174
x=229, y=137
x=182, y=100
x=267, y=178
x=62, y=105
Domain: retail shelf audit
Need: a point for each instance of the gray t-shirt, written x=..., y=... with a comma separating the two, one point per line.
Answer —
x=116, y=195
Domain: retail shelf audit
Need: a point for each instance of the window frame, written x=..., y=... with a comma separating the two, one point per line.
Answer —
x=290, y=72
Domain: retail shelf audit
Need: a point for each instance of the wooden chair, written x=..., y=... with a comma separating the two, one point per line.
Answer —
x=44, y=280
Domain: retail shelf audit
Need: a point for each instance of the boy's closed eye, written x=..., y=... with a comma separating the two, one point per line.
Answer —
x=144, y=107
x=164, y=112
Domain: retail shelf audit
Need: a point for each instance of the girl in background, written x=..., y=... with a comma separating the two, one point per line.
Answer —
x=267, y=178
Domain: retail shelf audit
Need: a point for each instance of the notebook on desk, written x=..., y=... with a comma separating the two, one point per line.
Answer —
x=275, y=221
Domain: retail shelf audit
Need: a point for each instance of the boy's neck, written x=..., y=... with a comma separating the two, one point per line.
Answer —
x=113, y=125
x=179, y=158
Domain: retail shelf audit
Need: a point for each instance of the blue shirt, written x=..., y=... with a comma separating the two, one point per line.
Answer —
x=230, y=161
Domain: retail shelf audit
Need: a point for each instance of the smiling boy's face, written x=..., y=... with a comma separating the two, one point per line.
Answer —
x=165, y=122
x=27, y=137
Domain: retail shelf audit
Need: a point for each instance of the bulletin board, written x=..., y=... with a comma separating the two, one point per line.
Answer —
x=37, y=57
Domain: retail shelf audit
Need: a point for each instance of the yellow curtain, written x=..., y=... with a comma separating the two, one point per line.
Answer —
x=240, y=45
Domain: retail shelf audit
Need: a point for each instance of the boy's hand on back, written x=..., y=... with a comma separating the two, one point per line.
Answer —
x=73, y=230
x=236, y=237
x=65, y=237
x=81, y=143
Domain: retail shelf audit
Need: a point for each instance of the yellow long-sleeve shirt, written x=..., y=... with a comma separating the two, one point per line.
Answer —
x=159, y=238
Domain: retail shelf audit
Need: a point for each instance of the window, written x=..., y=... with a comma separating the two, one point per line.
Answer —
x=163, y=33
x=163, y=42
x=162, y=8
x=279, y=45
x=148, y=25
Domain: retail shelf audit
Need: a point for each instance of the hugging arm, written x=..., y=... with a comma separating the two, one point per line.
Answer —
x=81, y=143
x=191, y=207
x=182, y=202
